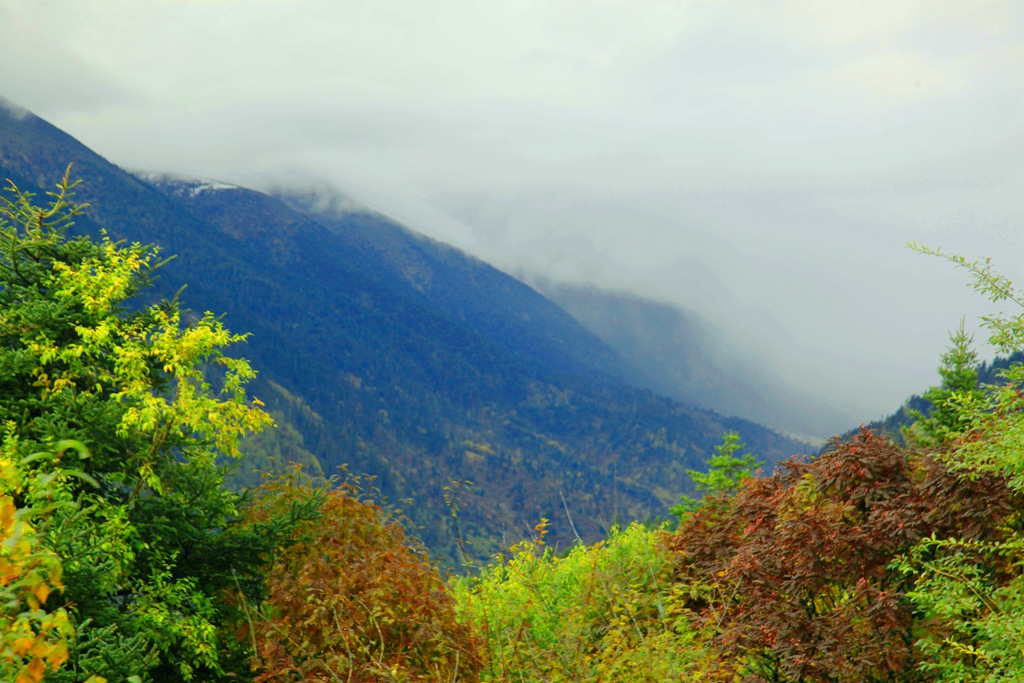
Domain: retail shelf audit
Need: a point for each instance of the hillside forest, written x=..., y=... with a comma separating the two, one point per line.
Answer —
x=398, y=356
x=126, y=557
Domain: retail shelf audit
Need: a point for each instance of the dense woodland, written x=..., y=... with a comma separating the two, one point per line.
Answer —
x=126, y=557
x=398, y=356
x=168, y=513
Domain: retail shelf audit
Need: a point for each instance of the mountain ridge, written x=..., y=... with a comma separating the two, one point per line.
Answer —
x=681, y=354
x=404, y=359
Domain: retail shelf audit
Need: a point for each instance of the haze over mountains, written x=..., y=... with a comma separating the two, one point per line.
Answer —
x=681, y=354
x=401, y=356
x=763, y=168
x=650, y=344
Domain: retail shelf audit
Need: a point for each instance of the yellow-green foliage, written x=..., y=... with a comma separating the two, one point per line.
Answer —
x=604, y=612
x=971, y=590
x=132, y=549
x=33, y=635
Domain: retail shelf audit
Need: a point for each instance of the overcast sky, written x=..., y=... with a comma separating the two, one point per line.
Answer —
x=761, y=162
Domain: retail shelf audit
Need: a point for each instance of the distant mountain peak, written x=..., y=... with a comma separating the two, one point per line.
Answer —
x=181, y=186
x=420, y=365
x=322, y=199
x=17, y=111
x=682, y=355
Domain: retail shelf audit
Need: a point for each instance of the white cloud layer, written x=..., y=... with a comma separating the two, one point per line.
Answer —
x=761, y=162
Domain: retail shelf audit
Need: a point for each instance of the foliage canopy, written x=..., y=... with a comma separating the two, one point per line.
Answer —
x=605, y=612
x=350, y=598
x=124, y=558
x=148, y=538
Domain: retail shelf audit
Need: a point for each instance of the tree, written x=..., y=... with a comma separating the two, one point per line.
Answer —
x=32, y=638
x=959, y=388
x=150, y=545
x=349, y=599
x=971, y=590
x=726, y=471
x=605, y=612
x=796, y=572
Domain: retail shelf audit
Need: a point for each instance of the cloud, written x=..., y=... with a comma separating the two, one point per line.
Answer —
x=19, y=112
x=40, y=74
x=761, y=162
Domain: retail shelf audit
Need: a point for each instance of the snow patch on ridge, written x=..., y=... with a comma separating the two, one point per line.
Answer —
x=210, y=186
x=185, y=187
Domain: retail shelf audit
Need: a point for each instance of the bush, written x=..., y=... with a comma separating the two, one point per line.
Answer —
x=146, y=536
x=350, y=599
x=602, y=612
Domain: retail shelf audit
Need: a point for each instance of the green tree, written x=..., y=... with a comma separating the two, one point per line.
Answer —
x=948, y=403
x=972, y=589
x=726, y=471
x=148, y=550
x=604, y=612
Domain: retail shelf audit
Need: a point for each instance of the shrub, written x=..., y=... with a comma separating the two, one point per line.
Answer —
x=601, y=612
x=350, y=599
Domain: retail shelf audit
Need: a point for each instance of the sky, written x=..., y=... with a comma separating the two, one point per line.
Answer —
x=762, y=163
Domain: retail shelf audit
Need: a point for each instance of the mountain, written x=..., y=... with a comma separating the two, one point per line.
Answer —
x=400, y=356
x=680, y=354
x=893, y=425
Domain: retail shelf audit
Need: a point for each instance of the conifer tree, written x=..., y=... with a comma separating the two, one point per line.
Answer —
x=147, y=540
x=970, y=589
x=950, y=400
x=726, y=471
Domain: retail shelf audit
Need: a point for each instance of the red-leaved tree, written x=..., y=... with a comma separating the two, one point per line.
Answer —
x=351, y=600
x=797, y=569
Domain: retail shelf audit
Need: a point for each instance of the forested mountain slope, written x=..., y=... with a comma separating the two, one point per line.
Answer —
x=400, y=356
x=893, y=425
x=681, y=354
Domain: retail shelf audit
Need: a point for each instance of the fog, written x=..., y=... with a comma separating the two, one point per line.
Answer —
x=761, y=163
